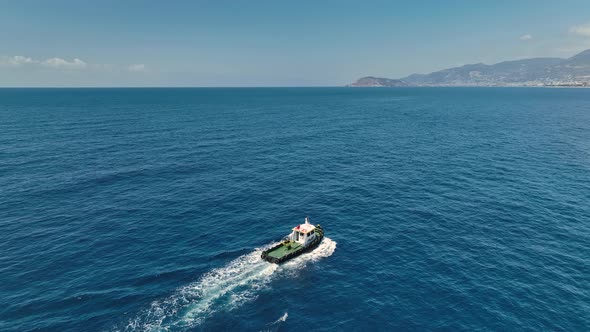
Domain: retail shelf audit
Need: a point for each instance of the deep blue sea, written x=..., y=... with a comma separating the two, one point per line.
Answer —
x=445, y=209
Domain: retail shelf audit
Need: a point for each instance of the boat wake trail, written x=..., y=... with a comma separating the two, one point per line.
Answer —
x=221, y=289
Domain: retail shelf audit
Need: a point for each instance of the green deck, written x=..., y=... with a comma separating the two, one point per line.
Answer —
x=282, y=250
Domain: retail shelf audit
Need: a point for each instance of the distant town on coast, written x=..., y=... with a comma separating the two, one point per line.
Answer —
x=557, y=72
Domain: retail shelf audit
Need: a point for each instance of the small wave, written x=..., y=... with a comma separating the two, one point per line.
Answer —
x=274, y=326
x=221, y=289
x=283, y=318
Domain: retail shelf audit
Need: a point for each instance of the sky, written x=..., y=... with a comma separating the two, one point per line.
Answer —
x=272, y=43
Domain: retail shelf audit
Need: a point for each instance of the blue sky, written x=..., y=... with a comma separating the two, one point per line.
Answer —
x=272, y=43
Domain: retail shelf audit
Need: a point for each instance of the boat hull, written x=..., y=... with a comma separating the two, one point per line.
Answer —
x=279, y=254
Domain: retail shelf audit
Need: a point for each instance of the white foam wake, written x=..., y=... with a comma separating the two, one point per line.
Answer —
x=224, y=288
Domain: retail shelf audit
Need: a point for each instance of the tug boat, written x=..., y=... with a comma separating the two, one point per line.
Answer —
x=303, y=238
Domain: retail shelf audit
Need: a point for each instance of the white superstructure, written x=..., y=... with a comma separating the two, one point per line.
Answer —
x=303, y=233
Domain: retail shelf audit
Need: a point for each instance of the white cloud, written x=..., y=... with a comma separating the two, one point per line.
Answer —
x=56, y=63
x=526, y=37
x=581, y=30
x=140, y=67
x=60, y=63
x=16, y=60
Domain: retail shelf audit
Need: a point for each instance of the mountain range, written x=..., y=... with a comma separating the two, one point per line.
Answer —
x=528, y=72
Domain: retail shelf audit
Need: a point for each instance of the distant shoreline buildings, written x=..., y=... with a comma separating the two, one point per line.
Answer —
x=535, y=72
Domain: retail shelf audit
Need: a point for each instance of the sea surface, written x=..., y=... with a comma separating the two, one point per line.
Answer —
x=445, y=209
